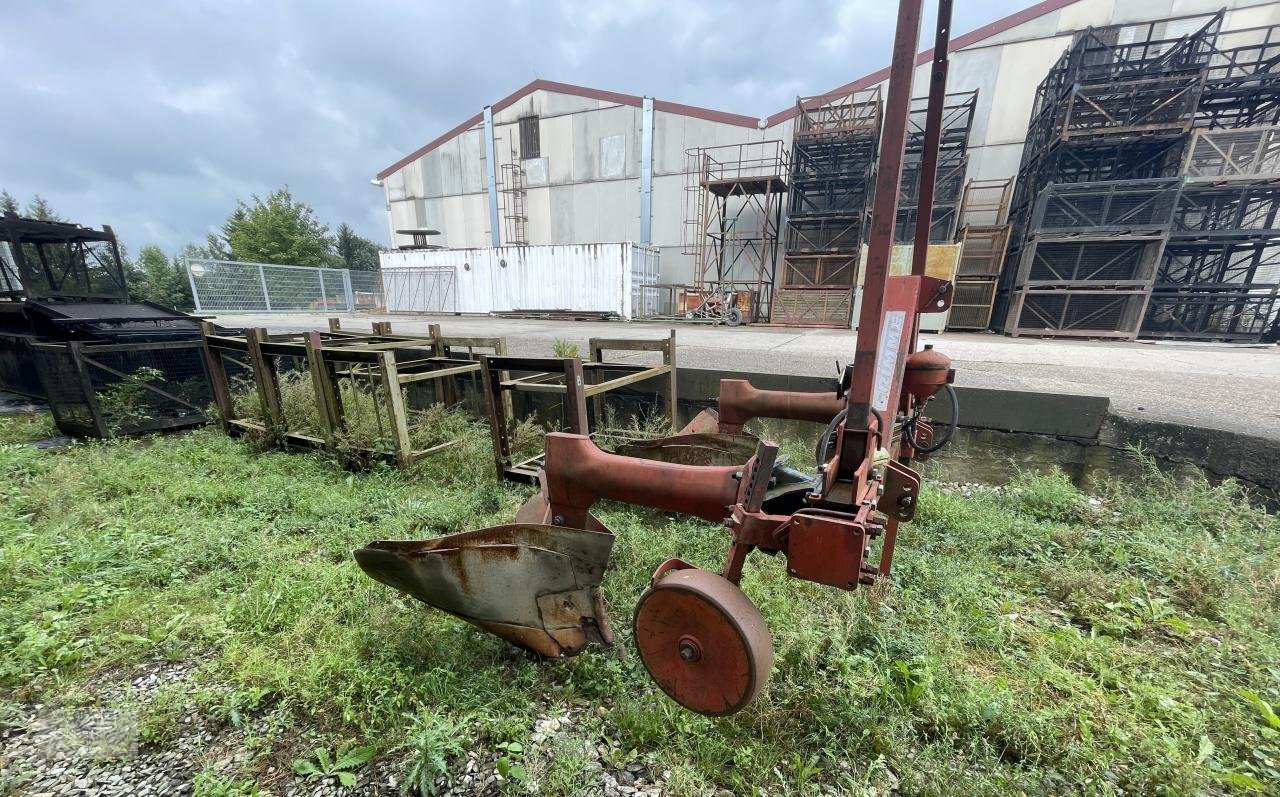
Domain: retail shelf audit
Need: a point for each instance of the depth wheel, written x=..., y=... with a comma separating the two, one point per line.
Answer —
x=735, y=317
x=703, y=641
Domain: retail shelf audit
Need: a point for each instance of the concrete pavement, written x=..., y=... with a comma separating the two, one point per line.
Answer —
x=1232, y=388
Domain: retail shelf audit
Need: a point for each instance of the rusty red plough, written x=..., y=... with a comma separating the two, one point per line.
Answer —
x=536, y=582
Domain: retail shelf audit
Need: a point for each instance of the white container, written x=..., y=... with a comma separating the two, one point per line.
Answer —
x=607, y=277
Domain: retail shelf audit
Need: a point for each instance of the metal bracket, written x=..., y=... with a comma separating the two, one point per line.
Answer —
x=901, y=491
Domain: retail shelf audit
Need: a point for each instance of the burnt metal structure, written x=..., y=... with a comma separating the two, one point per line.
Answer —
x=535, y=582
x=833, y=168
x=1219, y=278
x=740, y=190
x=1100, y=240
x=70, y=335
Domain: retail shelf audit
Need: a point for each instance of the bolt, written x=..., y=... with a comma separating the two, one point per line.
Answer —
x=558, y=520
x=690, y=651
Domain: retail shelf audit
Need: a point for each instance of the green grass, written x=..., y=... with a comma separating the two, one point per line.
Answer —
x=1030, y=642
x=26, y=426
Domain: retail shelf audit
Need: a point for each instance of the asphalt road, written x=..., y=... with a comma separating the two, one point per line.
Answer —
x=1234, y=388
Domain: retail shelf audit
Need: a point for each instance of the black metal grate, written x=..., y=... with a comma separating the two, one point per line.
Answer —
x=108, y=390
x=1089, y=263
x=1111, y=208
x=1078, y=313
x=1211, y=315
x=1219, y=264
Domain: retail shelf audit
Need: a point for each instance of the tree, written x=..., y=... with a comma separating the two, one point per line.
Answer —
x=40, y=210
x=356, y=252
x=7, y=203
x=214, y=248
x=278, y=229
x=154, y=278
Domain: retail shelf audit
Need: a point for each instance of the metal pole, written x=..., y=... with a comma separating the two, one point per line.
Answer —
x=324, y=296
x=932, y=135
x=191, y=280
x=262, y=280
x=646, y=172
x=490, y=166
x=346, y=289
x=884, y=212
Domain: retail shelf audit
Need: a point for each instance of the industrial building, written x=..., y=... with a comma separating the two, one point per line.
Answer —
x=775, y=204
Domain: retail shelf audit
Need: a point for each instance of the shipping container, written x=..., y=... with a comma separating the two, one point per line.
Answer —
x=598, y=278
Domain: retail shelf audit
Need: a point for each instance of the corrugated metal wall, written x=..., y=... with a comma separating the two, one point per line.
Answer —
x=603, y=277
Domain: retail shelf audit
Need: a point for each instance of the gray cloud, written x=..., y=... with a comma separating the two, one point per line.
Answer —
x=155, y=118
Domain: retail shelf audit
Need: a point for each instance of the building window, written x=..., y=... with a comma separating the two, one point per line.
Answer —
x=529, y=143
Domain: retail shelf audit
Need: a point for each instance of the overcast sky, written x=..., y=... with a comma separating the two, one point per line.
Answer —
x=156, y=117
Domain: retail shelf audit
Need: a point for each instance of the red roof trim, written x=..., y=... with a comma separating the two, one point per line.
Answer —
x=418, y=153
x=959, y=42
x=972, y=37
x=575, y=91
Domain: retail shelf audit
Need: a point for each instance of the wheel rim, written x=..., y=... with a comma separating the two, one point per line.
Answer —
x=703, y=642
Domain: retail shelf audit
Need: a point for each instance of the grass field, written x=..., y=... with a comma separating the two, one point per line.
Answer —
x=1032, y=640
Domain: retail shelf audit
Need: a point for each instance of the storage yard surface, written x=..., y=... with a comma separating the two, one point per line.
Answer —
x=1234, y=388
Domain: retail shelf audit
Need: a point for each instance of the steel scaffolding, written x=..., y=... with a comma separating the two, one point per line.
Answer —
x=739, y=197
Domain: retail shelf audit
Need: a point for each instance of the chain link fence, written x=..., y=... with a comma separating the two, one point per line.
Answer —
x=223, y=286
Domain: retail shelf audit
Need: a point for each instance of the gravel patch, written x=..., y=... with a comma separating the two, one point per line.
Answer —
x=52, y=750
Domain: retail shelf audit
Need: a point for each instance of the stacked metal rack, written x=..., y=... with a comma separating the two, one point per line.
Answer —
x=983, y=236
x=1220, y=275
x=1146, y=199
x=69, y=335
x=953, y=162
x=833, y=157
x=1097, y=185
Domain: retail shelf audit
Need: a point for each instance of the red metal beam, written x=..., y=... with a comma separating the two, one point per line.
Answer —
x=884, y=212
x=932, y=134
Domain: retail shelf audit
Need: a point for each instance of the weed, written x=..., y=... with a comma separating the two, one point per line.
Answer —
x=564, y=348
x=128, y=402
x=340, y=764
x=508, y=766
x=435, y=742
x=209, y=783
x=26, y=427
x=159, y=718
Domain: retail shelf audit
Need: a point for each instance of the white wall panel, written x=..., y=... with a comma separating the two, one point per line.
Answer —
x=588, y=277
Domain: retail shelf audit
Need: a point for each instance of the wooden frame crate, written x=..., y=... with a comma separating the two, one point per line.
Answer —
x=573, y=379
x=385, y=361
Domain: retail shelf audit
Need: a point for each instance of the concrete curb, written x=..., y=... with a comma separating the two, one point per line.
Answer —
x=1084, y=420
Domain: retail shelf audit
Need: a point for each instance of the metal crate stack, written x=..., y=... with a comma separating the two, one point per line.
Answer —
x=983, y=236
x=1098, y=182
x=953, y=162
x=1219, y=278
x=833, y=157
x=1220, y=274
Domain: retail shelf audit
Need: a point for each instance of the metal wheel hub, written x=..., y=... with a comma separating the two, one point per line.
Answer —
x=703, y=641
